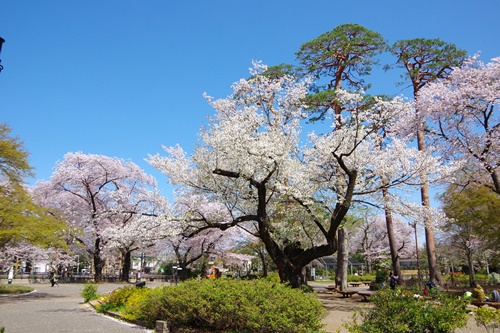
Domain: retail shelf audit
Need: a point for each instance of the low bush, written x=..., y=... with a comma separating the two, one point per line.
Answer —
x=399, y=311
x=230, y=305
x=89, y=292
x=13, y=289
x=360, y=278
x=487, y=317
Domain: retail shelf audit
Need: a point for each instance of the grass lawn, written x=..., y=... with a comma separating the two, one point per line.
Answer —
x=13, y=289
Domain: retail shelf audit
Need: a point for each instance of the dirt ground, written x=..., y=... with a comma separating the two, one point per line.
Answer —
x=341, y=310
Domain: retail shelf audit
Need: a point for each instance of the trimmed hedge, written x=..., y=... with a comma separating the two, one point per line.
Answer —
x=224, y=305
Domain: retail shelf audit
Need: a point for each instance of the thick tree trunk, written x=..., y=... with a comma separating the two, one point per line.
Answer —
x=292, y=275
x=471, y=267
x=262, y=256
x=434, y=273
x=98, y=261
x=126, y=265
x=342, y=260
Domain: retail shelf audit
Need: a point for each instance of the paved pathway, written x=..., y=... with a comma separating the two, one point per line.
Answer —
x=58, y=310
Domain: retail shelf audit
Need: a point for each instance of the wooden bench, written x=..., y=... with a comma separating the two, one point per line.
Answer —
x=331, y=288
x=347, y=293
x=367, y=283
x=495, y=305
x=367, y=293
x=355, y=284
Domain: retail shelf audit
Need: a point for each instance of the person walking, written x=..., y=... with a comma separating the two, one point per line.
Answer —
x=53, y=278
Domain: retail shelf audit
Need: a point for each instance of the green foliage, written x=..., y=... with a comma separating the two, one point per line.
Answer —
x=126, y=300
x=427, y=59
x=381, y=276
x=359, y=278
x=89, y=292
x=273, y=278
x=13, y=289
x=493, y=278
x=231, y=305
x=20, y=218
x=398, y=311
x=340, y=56
x=487, y=317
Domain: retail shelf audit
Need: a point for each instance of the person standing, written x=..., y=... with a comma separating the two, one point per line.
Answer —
x=393, y=280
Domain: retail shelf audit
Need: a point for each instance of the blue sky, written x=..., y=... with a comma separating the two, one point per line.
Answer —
x=122, y=78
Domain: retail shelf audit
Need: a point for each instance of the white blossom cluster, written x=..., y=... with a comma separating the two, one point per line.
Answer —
x=256, y=137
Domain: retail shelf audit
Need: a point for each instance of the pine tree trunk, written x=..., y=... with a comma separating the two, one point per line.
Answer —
x=434, y=273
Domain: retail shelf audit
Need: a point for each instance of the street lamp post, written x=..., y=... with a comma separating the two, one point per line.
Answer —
x=1, y=43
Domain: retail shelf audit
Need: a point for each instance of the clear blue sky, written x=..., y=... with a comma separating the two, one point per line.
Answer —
x=121, y=78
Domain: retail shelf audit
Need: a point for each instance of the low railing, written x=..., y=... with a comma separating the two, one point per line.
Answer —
x=83, y=278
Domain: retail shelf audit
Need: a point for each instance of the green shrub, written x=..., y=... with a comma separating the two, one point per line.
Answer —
x=398, y=311
x=359, y=278
x=89, y=292
x=487, y=317
x=273, y=277
x=381, y=276
x=493, y=278
x=230, y=305
x=14, y=289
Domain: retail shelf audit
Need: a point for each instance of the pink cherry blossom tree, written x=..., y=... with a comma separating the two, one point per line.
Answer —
x=99, y=196
x=256, y=166
x=370, y=238
x=464, y=119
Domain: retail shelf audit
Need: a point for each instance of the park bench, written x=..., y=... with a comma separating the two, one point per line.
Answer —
x=331, y=288
x=347, y=293
x=495, y=305
x=367, y=293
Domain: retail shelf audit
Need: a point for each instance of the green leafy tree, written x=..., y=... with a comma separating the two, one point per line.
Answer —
x=474, y=214
x=426, y=60
x=21, y=219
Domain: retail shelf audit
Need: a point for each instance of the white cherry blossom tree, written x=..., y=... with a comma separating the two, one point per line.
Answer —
x=252, y=164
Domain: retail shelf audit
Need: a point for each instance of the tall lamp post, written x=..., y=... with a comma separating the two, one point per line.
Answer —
x=1, y=43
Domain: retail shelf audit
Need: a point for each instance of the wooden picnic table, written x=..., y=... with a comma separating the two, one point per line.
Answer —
x=355, y=284
x=366, y=283
x=347, y=293
x=367, y=293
